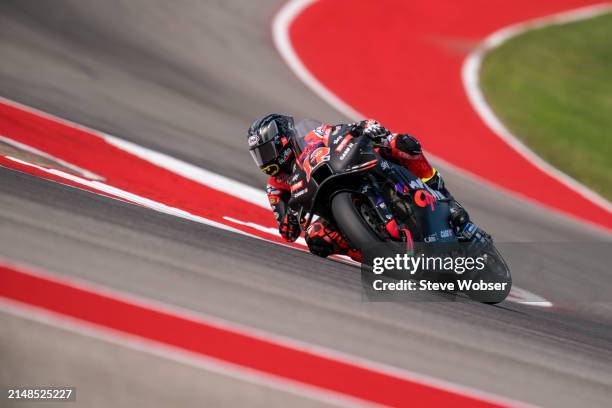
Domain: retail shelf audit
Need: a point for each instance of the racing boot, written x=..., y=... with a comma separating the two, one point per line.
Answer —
x=324, y=240
x=459, y=218
x=460, y=221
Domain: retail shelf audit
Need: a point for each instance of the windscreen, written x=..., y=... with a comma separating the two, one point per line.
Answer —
x=302, y=128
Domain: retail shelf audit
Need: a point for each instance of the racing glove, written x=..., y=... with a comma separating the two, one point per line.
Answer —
x=370, y=129
x=289, y=227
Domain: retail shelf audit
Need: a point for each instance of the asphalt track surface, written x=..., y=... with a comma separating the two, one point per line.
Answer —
x=186, y=79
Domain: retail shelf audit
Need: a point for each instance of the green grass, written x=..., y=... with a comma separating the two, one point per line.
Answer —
x=552, y=88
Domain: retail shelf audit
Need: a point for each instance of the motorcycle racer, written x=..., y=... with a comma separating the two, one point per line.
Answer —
x=271, y=141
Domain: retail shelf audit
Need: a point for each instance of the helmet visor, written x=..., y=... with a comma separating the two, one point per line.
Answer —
x=265, y=153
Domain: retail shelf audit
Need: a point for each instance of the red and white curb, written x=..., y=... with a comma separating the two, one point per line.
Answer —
x=471, y=71
x=223, y=347
x=412, y=77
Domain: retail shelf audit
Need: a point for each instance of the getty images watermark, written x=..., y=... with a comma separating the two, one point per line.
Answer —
x=429, y=265
x=451, y=272
x=390, y=272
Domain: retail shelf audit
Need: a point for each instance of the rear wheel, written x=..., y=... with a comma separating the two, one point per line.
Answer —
x=495, y=272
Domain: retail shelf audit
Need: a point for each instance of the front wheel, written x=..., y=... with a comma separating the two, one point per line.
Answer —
x=354, y=218
x=351, y=222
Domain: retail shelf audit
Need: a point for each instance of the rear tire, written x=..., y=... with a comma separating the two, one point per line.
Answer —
x=497, y=271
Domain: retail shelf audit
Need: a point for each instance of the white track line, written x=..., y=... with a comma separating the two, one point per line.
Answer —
x=280, y=34
x=194, y=173
x=470, y=75
x=130, y=197
x=187, y=170
x=30, y=149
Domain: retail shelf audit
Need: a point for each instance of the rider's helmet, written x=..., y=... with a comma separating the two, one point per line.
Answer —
x=269, y=143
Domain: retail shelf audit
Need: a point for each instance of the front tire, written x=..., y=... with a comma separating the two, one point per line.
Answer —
x=351, y=223
x=361, y=235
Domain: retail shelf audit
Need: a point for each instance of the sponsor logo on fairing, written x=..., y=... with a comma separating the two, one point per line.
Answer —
x=431, y=238
x=320, y=155
x=346, y=151
x=344, y=142
x=424, y=198
x=447, y=233
x=300, y=193
x=416, y=184
x=297, y=186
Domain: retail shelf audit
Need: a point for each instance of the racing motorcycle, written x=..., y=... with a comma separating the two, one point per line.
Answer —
x=373, y=201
